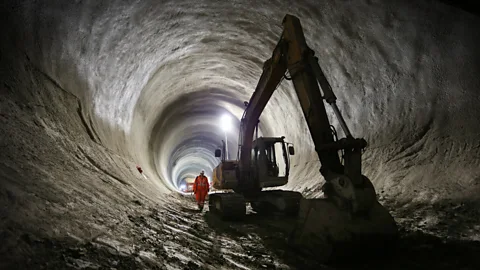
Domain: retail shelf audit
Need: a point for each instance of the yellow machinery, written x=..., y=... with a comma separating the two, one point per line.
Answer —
x=350, y=208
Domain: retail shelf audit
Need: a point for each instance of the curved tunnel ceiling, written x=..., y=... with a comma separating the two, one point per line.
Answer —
x=155, y=78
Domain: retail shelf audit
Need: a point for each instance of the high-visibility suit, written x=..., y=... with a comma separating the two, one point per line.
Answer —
x=200, y=189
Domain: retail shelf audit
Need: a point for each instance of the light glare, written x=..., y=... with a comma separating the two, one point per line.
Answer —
x=225, y=123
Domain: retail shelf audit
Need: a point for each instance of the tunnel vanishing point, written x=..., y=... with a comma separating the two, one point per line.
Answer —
x=90, y=89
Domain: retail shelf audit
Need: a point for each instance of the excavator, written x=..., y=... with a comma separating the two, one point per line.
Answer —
x=350, y=208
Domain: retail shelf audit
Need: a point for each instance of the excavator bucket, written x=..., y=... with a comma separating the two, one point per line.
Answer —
x=331, y=233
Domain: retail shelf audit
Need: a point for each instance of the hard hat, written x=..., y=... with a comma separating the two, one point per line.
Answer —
x=202, y=171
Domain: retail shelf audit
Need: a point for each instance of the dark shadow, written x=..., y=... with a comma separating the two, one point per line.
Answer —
x=413, y=249
x=469, y=6
x=274, y=231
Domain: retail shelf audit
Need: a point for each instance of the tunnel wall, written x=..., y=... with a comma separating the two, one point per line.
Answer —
x=404, y=74
x=56, y=180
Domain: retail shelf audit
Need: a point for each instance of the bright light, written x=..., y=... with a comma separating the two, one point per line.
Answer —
x=183, y=187
x=226, y=123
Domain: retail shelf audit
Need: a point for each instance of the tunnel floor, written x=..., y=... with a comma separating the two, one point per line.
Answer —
x=178, y=236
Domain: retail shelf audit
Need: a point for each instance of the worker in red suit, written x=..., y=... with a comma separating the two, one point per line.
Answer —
x=201, y=187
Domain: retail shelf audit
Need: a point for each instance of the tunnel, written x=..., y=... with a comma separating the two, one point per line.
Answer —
x=91, y=89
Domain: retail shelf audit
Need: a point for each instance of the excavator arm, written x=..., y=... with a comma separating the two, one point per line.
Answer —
x=293, y=54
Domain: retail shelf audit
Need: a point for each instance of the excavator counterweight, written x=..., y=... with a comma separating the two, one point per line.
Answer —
x=350, y=209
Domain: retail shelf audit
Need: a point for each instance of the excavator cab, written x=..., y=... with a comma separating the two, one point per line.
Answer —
x=271, y=161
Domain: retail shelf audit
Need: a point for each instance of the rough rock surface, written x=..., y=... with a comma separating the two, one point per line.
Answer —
x=89, y=89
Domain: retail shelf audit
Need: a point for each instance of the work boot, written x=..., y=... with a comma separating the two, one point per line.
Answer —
x=200, y=207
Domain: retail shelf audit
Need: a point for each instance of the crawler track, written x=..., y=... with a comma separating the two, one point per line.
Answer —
x=229, y=206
